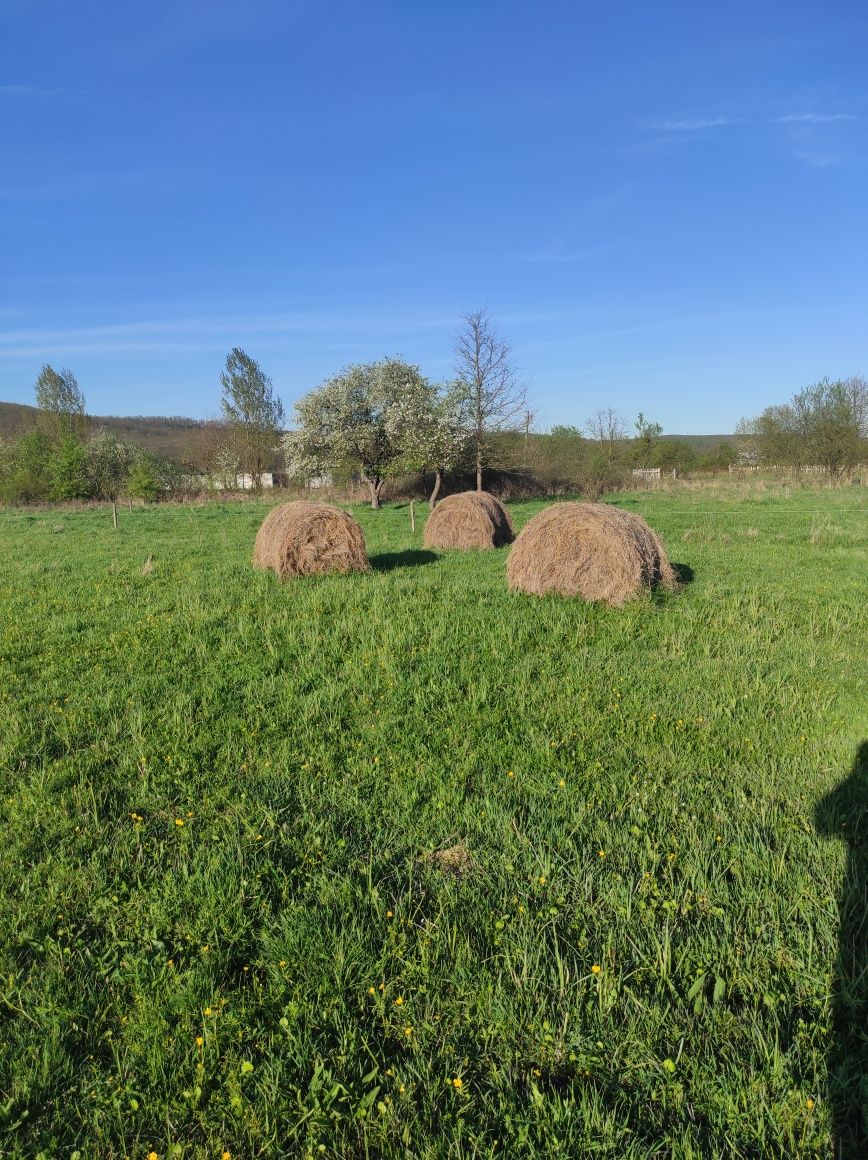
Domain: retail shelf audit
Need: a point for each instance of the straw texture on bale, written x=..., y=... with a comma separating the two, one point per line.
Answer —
x=309, y=539
x=470, y=519
x=589, y=550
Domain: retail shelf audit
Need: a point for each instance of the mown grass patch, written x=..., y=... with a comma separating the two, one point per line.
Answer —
x=222, y=925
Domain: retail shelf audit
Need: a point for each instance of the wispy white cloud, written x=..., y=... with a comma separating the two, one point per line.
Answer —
x=209, y=333
x=814, y=118
x=817, y=160
x=693, y=124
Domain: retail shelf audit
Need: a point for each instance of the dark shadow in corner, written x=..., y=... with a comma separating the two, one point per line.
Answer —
x=844, y=814
x=683, y=573
x=387, y=561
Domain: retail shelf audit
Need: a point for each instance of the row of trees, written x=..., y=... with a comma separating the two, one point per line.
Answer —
x=381, y=419
x=824, y=425
x=385, y=419
x=37, y=468
x=63, y=459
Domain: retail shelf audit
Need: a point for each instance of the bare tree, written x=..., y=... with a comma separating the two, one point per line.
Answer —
x=527, y=422
x=491, y=397
x=607, y=428
x=647, y=436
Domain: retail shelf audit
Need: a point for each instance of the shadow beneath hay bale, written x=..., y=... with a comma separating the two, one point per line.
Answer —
x=843, y=816
x=388, y=561
x=683, y=573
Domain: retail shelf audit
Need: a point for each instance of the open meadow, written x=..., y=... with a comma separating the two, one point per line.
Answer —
x=403, y=864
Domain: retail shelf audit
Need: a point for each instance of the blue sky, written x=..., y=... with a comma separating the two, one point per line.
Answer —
x=663, y=206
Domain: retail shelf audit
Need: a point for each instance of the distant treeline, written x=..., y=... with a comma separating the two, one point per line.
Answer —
x=162, y=457
x=189, y=442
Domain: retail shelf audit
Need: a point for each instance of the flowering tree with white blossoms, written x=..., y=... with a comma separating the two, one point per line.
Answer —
x=347, y=422
x=426, y=423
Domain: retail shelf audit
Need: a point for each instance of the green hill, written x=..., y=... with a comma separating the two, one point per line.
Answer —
x=171, y=435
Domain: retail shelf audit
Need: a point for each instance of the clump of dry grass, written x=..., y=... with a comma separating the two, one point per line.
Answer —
x=148, y=566
x=470, y=519
x=590, y=550
x=309, y=539
x=454, y=860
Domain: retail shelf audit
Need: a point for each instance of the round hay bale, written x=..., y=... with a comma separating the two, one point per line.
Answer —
x=589, y=550
x=309, y=539
x=470, y=519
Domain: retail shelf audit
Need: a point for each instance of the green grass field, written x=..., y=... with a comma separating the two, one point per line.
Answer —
x=221, y=927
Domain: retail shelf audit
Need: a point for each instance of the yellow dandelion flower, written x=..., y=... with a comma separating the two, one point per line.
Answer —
x=458, y=1082
x=199, y=1040
x=809, y=1104
x=408, y=1031
x=372, y=990
x=179, y=821
x=601, y=853
x=510, y=773
x=542, y=880
x=595, y=969
x=399, y=1002
x=153, y=1156
x=389, y=914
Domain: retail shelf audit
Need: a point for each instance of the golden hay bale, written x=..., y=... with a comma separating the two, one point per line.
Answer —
x=589, y=550
x=470, y=519
x=309, y=539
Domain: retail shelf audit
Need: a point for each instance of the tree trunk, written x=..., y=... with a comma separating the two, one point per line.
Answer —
x=479, y=469
x=375, y=486
x=438, y=483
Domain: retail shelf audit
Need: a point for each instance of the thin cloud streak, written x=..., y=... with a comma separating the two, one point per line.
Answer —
x=817, y=160
x=203, y=334
x=28, y=91
x=693, y=124
x=814, y=118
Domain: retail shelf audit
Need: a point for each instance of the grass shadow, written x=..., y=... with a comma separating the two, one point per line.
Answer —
x=843, y=813
x=683, y=573
x=388, y=561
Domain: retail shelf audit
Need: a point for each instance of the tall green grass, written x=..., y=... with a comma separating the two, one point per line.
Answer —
x=220, y=925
